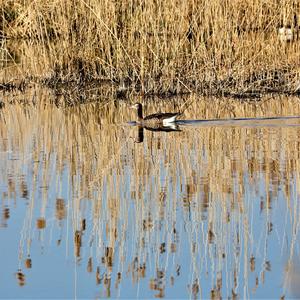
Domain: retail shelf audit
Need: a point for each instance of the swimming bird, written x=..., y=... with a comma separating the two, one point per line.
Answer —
x=154, y=120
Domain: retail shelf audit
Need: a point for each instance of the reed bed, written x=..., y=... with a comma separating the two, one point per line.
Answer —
x=132, y=217
x=152, y=46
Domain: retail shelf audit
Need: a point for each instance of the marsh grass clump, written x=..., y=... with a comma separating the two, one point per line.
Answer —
x=158, y=46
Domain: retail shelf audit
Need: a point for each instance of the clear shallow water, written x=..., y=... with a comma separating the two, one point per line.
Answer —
x=91, y=210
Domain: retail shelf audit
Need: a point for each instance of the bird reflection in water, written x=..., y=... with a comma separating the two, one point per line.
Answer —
x=140, y=131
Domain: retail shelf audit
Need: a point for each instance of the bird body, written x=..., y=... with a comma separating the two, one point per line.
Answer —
x=162, y=119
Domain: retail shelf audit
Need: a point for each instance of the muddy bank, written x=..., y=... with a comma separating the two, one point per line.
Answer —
x=257, y=85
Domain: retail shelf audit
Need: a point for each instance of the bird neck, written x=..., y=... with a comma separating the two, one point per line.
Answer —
x=140, y=113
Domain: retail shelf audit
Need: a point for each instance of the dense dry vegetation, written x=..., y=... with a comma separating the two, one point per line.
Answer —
x=153, y=46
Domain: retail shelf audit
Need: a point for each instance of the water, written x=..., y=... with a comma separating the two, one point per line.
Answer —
x=94, y=208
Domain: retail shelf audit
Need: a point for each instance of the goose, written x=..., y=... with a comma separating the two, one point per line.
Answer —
x=154, y=120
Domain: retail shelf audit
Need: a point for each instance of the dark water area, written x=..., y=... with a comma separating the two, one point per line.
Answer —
x=94, y=207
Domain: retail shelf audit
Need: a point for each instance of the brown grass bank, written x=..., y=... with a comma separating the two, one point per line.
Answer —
x=153, y=46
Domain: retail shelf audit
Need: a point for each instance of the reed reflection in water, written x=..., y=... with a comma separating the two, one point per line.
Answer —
x=208, y=211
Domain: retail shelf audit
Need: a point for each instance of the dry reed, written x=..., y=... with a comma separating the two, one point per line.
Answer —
x=154, y=46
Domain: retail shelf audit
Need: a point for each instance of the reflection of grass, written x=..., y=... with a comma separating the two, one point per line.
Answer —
x=140, y=200
x=158, y=46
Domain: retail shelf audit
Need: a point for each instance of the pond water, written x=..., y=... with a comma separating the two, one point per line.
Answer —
x=93, y=207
